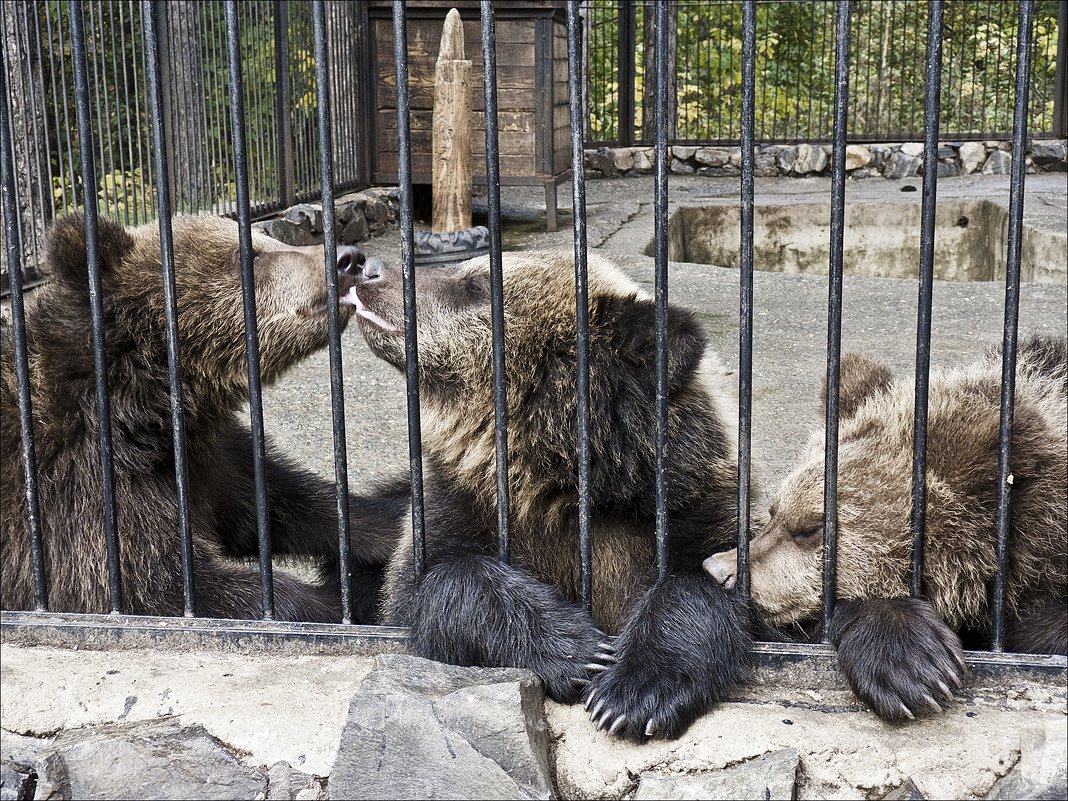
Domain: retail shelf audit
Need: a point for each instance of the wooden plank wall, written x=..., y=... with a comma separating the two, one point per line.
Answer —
x=517, y=121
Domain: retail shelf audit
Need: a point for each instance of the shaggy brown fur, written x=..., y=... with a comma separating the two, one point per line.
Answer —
x=291, y=307
x=874, y=501
x=469, y=608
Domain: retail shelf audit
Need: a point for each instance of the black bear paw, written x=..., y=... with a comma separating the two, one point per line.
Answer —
x=632, y=698
x=897, y=656
x=572, y=666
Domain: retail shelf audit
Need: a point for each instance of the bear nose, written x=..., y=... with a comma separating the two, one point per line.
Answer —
x=349, y=260
x=370, y=271
x=721, y=567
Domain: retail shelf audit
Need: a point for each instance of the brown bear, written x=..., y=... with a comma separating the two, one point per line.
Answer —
x=668, y=664
x=291, y=306
x=897, y=652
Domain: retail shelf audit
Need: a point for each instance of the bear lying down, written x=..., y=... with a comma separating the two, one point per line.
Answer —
x=682, y=640
x=899, y=654
x=291, y=306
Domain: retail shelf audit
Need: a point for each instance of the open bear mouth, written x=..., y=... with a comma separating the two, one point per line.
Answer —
x=350, y=298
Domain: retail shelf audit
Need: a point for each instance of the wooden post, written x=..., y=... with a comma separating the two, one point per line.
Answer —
x=452, y=131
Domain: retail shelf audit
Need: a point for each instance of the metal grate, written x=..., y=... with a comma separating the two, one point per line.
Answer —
x=278, y=96
x=795, y=70
x=87, y=134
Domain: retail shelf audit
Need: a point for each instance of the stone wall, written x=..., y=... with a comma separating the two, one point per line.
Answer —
x=893, y=160
x=358, y=216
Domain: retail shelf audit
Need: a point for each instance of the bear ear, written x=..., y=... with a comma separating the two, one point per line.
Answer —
x=685, y=336
x=860, y=378
x=65, y=250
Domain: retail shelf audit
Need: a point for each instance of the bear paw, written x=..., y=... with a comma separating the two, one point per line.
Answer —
x=632, y=698
x=897, y=655
x=567, y=674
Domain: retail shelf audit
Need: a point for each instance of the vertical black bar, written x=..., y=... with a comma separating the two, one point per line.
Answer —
x=96, y=299
x=411, y=343
x=933, y=72
x=1060, y=82
x=493, y=198
x=248, y=285
x=18, y=325
x=170, y=305
x=834, y=315
x=286, y=175
x=660, y=193
x=745, y=303
x=1012, y=308
x=337, y=384
x=582, y=311
x=626, y=14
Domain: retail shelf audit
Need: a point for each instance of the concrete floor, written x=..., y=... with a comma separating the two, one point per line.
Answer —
x=790, y=340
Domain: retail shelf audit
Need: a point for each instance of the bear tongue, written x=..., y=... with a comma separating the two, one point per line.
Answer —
x=350, y=298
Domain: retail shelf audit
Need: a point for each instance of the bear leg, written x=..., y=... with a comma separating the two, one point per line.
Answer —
x=684, y=646
x=233, y=591
x=897, y=655
x=1042, y=632
x=473, y=610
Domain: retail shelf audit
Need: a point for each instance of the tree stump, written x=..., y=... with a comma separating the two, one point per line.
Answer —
x=452, y=131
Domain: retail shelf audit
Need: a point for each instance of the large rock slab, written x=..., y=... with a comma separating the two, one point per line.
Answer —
x=846, y=752
x=154, y=760
x=1041, y=772
x=29, y=768
x=419, y=729
x=772, y=777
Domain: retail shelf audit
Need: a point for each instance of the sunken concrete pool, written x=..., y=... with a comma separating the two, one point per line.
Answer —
x=881, y=240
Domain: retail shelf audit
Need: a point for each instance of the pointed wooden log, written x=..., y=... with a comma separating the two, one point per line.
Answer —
x=452, y=131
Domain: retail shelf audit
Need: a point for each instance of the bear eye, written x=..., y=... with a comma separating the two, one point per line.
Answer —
x=808, y=532
x=476, y=288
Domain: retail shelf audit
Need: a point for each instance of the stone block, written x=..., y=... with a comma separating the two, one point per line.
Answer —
x=857, y=156
x=912, y=148
x=1048, y=152
x=971, y=156
x=810, y=159
x=419, y=729
x=601, y=161
x=683, y=152
x=734, y=156
x=998, y=163
x=289, y=232
x=785, y=159
x=154, y=760
x=772, y=776
x=901, y=165
x=681, y=167
x=354, y=230
x=1041, y=772
x=284, y=783
x=946, y=151
x=644, y=158
x=622, y=159
x=711, y=156
x=948, y=169
x=306, y=216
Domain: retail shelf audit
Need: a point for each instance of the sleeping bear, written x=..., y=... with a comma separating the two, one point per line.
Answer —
x=898, y=653
x=291, y=305
x=682, y=640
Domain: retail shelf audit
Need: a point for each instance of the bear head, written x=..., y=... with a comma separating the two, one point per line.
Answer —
x=874, y=493
x=290, y=299
x=455, y=346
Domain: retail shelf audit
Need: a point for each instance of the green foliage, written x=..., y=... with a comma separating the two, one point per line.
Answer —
x=795, y=68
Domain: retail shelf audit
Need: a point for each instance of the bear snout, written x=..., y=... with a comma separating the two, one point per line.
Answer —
x=349, y=260
x=721, y=567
